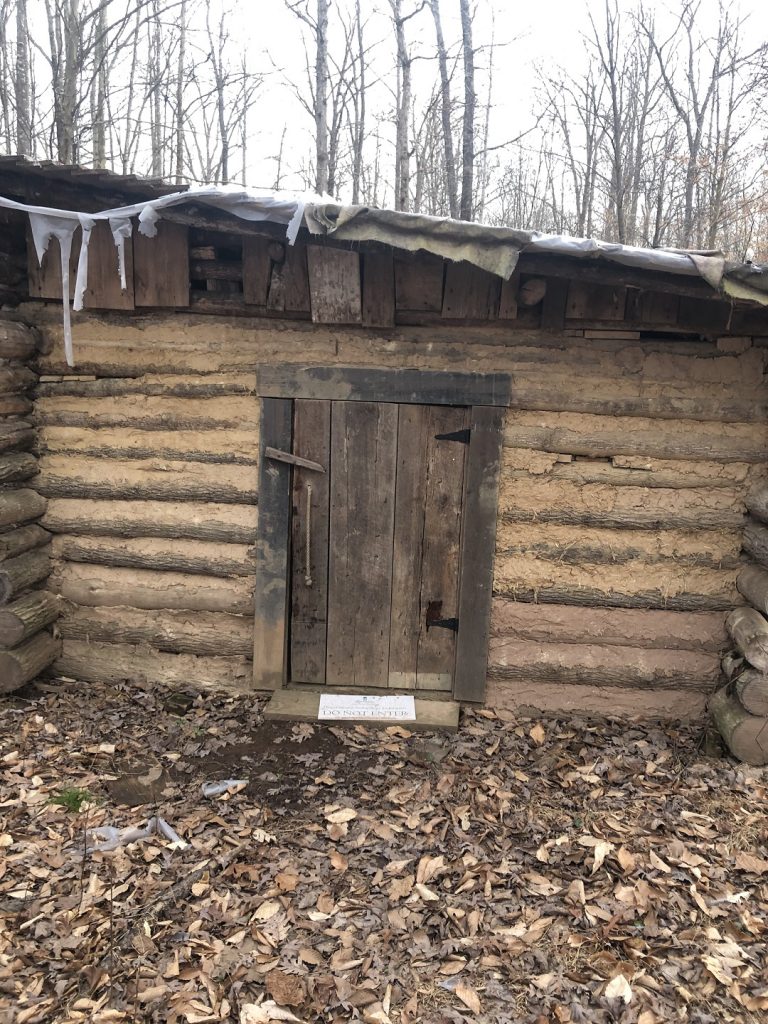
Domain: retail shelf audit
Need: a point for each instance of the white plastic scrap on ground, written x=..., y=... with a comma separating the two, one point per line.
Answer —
x=106, y=838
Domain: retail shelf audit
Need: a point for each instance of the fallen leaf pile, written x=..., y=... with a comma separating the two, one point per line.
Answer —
x=523, y=870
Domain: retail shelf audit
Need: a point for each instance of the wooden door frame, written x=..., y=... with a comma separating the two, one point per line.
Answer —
x=486, y=394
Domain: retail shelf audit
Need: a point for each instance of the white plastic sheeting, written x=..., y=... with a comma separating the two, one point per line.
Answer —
x=495, y=249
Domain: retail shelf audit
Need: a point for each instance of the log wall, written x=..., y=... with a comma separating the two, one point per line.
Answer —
x=627, y=461
x=27, y=644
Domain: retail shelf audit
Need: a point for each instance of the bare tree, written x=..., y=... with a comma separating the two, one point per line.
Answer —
x=23, y=105
x=468, y=121
x=446, y=111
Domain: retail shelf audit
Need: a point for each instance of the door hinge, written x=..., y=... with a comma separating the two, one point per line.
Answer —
x=462, y=436
x=433, y=610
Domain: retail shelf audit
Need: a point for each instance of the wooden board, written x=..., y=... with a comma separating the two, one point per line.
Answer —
x=378, y=289
x=587, y=301
x=481, y=490
x=553, y=310
x=508, y=297
x=334, y=285
x=365, y=384
x=161, y=266
x=45, y=278
x=302, y=706
x=296, y=280
x=257, y=269
x=269, y=651
x=363, y=466
x=309, y=589
x=425, y=578
x=103, y=290
x=470, y=292
x=419, y=282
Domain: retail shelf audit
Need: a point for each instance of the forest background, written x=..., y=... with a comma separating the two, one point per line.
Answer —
x=642, y=124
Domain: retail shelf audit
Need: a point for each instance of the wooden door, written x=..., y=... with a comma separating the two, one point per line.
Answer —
x=376, y=544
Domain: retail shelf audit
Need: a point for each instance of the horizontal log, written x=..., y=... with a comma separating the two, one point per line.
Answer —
x=749, y=632
x=207, y=385
x=16, y=377
x=16, y=466
x=25, y=663
x=239, y=447
x=99, y=586
x=215, y=270
x=15, y=405
x=602, y=665
x=178, y=632
x=186, y=343
x=20, y=506
x=664, y=586
x=208, y=558
x=550, y=623
x=151, y=412
x=114, y=663
x=62, y=476
x=755, y=541
x=17, y=341
x=752, y=583
x=235, y=524
x=610, y=396
x=25, y=538
x=745, y=735
x=20, y=573
x=27, y=616
x=524, y=497
x=627, y=470
x=522, y=698
x=757, y=502
x=16, y=435
x=598, y=436
x=580, y=545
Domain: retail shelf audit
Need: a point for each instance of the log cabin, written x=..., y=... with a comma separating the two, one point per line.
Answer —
x=292, y=446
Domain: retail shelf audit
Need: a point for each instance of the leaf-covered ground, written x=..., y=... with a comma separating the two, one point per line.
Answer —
x=522, y=870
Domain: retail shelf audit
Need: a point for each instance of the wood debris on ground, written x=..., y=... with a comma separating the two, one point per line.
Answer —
x=538, y=871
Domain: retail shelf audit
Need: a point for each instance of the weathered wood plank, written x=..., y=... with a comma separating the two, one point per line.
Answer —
x=362, y=489
x=271, y=599
x=470, y=292
x=508, y=297
x=553, y=310
x=418, y=282
x=104, y=290
x=309, y=570
x=366, y=384
x=481, y=489
x=378, y=289
x=257, y=269
x=296, y=280
x=303, y=706
x=161, y=266
x=334, y=285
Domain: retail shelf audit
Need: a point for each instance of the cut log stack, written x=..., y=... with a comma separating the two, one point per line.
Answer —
x=27, y=644
x=740, y=709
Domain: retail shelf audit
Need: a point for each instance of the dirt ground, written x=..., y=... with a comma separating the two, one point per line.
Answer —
x=522, y=870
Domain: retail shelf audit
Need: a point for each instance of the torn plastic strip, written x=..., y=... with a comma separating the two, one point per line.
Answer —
x=81, y=282
x=45, y=227
x=121, y=229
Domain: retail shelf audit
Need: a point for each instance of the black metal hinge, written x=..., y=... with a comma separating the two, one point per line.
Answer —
x=462, y=436
x=433, y=610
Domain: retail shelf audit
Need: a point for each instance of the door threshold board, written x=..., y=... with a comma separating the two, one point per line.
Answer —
x=303, y=706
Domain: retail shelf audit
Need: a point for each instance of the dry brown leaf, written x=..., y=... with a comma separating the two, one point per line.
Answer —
x=340, y=816
x=468, y=996
x=267, y=910
x=619, y=988
x=285, y=989
x=748, y=862
x=338, y=861
x=537, y=734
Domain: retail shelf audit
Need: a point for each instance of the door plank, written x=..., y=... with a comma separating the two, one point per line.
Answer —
x=442, y=543
x=481, y=491
x=309, y=597
x=271, y=585
x=427, y=535
x=363, y=461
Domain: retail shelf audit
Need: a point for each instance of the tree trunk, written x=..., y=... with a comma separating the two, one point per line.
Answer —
x=17, y=435
x=321, y=98
x=27, y=616
x=756, y=541
x=749, y=685
x=17, y=466
x=100, y=99
x=17, y=341
x=21, y=573
x=445, y=112
x=468, y=124
x=403, y=110
x=180, y=119
x=21, y=665
x=746, y=735
x=24, y=144
x=753, y=585
x=749, y=632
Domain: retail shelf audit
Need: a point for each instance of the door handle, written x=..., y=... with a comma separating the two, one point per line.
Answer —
x=292, y=460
